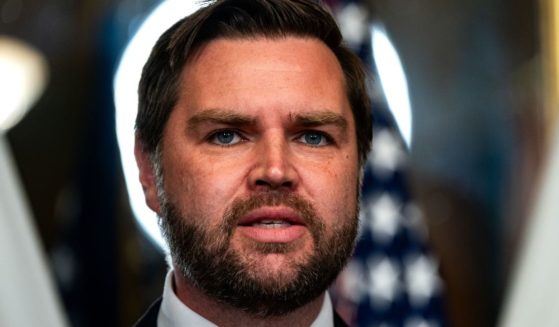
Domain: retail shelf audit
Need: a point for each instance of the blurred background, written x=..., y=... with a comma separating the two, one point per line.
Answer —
x=472, y=157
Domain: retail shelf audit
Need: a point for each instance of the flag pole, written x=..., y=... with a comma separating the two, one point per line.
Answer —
x=533, y=295
x=549, y=27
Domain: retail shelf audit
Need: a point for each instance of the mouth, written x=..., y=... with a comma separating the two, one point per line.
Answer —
x=272, y=225
x=272, y=217
x=269, y=224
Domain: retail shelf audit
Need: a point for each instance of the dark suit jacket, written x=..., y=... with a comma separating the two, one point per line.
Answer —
x=149, y=319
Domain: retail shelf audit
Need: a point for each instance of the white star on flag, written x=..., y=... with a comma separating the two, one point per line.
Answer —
x=422, y=280
x=387, y=154
x=385, y=217
x=384, y=281
x=353, y=24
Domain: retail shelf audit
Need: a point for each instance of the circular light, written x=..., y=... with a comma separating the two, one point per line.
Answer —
x=125, y=90
x=23, y=76
x=393, y=80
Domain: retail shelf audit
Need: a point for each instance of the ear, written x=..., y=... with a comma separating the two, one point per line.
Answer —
x=147, y=175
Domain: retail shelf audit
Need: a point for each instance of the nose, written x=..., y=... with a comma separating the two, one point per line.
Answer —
x=274, y=167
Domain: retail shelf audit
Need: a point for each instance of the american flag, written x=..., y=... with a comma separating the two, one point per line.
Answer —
x=393, y=278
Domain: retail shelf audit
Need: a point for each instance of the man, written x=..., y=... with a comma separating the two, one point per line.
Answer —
x=252, y=130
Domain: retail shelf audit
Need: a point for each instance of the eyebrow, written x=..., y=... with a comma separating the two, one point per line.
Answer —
x=218, y=116
x=228, y=117
x=313, y=119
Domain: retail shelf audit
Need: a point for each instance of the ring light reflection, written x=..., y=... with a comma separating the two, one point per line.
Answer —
x=126, y=82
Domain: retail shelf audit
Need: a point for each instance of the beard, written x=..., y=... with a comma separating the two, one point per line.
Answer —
x=204, y=256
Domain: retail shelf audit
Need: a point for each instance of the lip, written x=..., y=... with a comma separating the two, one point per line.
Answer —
x=272, y=213
x=288, y=226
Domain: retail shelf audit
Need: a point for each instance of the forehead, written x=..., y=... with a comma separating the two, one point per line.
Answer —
x=262, y=71
x=278, y=51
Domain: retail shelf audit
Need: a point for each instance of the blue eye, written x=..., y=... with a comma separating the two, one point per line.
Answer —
x=225, y=138
x=314, y=138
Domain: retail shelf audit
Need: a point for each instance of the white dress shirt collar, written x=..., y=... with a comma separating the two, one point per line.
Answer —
x=174, y=313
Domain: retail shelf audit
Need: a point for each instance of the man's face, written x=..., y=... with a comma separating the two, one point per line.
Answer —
x=258, y=181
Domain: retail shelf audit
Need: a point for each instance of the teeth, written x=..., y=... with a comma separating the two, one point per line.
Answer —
x=271, y=223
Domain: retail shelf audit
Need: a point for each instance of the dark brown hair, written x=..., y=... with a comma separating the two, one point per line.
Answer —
x=234, y=19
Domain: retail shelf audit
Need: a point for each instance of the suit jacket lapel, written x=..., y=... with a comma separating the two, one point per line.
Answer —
x=338, y=321
x=149, y=319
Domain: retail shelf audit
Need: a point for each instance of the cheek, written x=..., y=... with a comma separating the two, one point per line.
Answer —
x=201, y=189
x=334, y=190
x=344, y=198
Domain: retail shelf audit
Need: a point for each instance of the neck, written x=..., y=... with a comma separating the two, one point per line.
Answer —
x=223, y=314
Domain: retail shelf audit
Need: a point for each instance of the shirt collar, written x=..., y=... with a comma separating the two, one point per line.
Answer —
x=174, y=313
